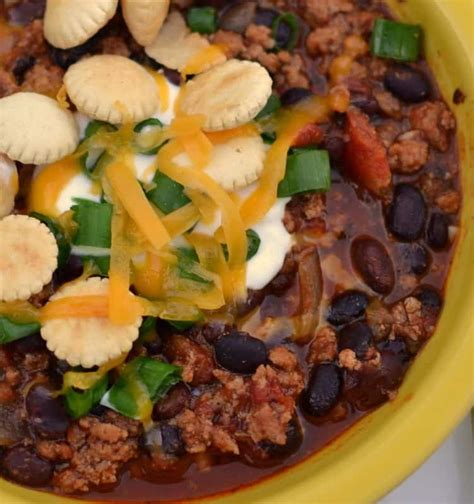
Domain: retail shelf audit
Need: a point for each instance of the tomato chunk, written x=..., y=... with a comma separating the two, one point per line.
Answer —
x=365, y=156
x=311, y=134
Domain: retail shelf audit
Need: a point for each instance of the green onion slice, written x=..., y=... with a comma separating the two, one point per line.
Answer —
x=95, y=155
x=12, y=331
x=95, y=126
x=393, y=40
x=79, y=402
x=272, y=105
x=64, y=247
x=268, y=137
x=253, y=244
x=144, y=125
x=187, y=263
x=291, y=21
x=306, y=170
x=202, y=19
x=143, y=379
x=101, y=264
x=94, y=223
x=167, y=194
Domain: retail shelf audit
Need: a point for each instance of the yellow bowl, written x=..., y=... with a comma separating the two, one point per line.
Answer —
x=385, y=447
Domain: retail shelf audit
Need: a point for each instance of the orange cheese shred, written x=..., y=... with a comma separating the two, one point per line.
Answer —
x=263, y=198
x=163, y=90
x=219, y=137
x=198, y=147
x=191, y=178
x=204, y=59
x=131, y=196
x=76, y=307
x=181, y=220
x=148, y=277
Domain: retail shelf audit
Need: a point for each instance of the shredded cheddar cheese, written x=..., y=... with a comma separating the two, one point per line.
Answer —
x=263, y=198
x=130, y=194
x=204, y=59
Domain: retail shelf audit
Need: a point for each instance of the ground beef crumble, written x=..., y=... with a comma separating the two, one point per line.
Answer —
x=260, y=406
x=99, y=449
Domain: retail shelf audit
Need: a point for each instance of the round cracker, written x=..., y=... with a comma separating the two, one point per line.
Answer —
x=228, y=95
x=69, y=23
x=28, y=257
x=144, y=18
x=175, y=46
x=34, y=129
x=238, y=162
x=88, y=341
x=112, y=88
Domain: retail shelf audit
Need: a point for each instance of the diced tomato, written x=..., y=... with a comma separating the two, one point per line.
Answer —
x=365, y=156
x=311, y=134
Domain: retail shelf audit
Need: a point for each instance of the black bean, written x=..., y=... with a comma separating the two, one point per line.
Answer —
x=373, y=263
x=437, y=234
x=73, y=269
x=417, y=258
x=356, y=336
x=23, y=13
x=294, y=95
x=175, y=401
x=323, y=390
x=240, y=353
x=429, y=298
x=24, y=466
x=171, y=441
x=31, y=344
x=265, y=17
x=143, y=59
x=237, y=16
x=367, y=104
x=64, y=58
x=46, y=414
x=406, y=83
x=406, y=215
x=347, y=307
x=173, y=76
x=294, y=438
x=154, y=346
x=22, y=65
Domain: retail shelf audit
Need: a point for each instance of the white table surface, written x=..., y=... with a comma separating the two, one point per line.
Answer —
x=446, y=477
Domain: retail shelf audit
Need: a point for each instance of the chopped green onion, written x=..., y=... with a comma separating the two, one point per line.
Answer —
x=94, y=223
x=253, y=244
x=147, y=331
x=185, y=265
x=181, y=325
x=149, y=123
x=202, y=19
x=91, y=159
x=167, y=194
x=398, y=41
x=101, y=263
x=80, y=402
x=94, y=126
x=272, y=105
x=142, y=379
x=12, y=331
x=64, y=247
x=268, y=137
x=291, y=21
x=306, y=170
